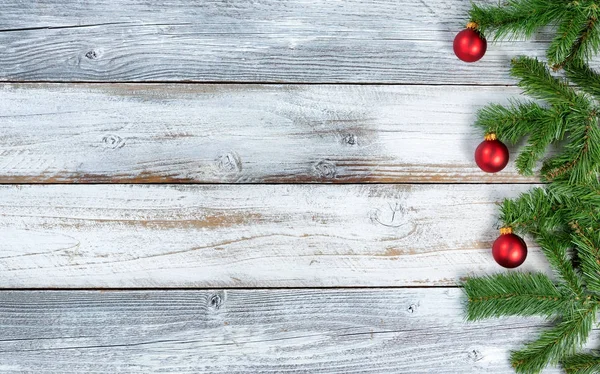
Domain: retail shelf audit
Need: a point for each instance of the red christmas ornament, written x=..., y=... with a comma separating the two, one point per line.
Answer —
x=509, y=250
x=469, y=44
x=491, y=155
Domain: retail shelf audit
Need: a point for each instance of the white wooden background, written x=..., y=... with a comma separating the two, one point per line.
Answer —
x=246, y=186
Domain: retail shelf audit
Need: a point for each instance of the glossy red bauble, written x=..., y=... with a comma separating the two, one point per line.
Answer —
x=509, y=250
x=491, y=155
x=469, y=45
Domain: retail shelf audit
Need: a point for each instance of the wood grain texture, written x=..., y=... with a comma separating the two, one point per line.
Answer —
x=384, y=41
x=136, y=133
x=249, y=236
x=253, y=331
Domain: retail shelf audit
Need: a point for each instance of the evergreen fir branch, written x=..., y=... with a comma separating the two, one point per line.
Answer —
x=571, y=113
x=511, y=123
x=580, y=161
x=556, y=343
x=567, y=36
x=564, y=217
x=577, y=36
x=587, y=241
x=536, y=80
x=512, y=294
x=581, y=364
x=586, y=44
x=578, y=205
x=587, y=79
x=517, y=18
x=530, y=212
x=575, y=196
x=550, y=128
x=555, y=249
x=537, y=213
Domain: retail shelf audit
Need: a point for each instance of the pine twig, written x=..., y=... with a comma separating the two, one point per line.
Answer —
x=589, y=254
x=585, y=78
x=512, y=294
x=581, y=364
x=579, y=48
x=516, y=18
x=580, y=163
x=536, y=81
x=556, y=343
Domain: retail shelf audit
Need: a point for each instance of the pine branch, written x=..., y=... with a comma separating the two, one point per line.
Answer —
x=587, y=79
x=580, y=161
x=538, y=213
x=511, y=123
x=512, y=294
x=563, y=218
x=582, y=49
x=570, y=113
x=577, y=36
x=550, y=128
x=587, y=241
x=581, y=364
x=557, y=342
x=531, y=212
x=567, y=36
x=575, y=196
x=536, y=80
x=517, y=18
x=555, y=249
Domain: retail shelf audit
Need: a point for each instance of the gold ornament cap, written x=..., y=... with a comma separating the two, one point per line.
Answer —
x=490, y=136
x=505, y=230
x=472, y=25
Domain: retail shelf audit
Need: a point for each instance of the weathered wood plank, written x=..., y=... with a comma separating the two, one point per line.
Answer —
x=248, y=236
x=128, y=133
x=385, y=41
x=266, y=331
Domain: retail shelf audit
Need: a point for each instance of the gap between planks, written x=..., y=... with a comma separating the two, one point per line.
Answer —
x=242, y=83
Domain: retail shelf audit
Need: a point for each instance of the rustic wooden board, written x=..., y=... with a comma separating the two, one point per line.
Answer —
x=252, y=331
x=249, y=236
x=385, y=41
x=132, y=133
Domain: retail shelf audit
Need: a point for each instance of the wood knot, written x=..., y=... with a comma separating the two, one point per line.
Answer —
x=391, y=215
x=112, y=141
x=475, y=355
x=350, y=139
x=229, y=162
x=215, y=301
x=92, y=54
x=412, y=308
x=325, y=169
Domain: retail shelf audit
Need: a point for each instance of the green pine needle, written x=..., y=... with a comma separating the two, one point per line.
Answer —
x=587, y=79
x=587, y=239
x=567, y=35
x=556, y=343
x=581, y=364
x=516, y=18
x=576, y=22
x=512, y=294
x=570, y=115
x=536, y=80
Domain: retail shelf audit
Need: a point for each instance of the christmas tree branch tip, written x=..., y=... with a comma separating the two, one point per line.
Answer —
x=569, y=114
x=576, y=38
